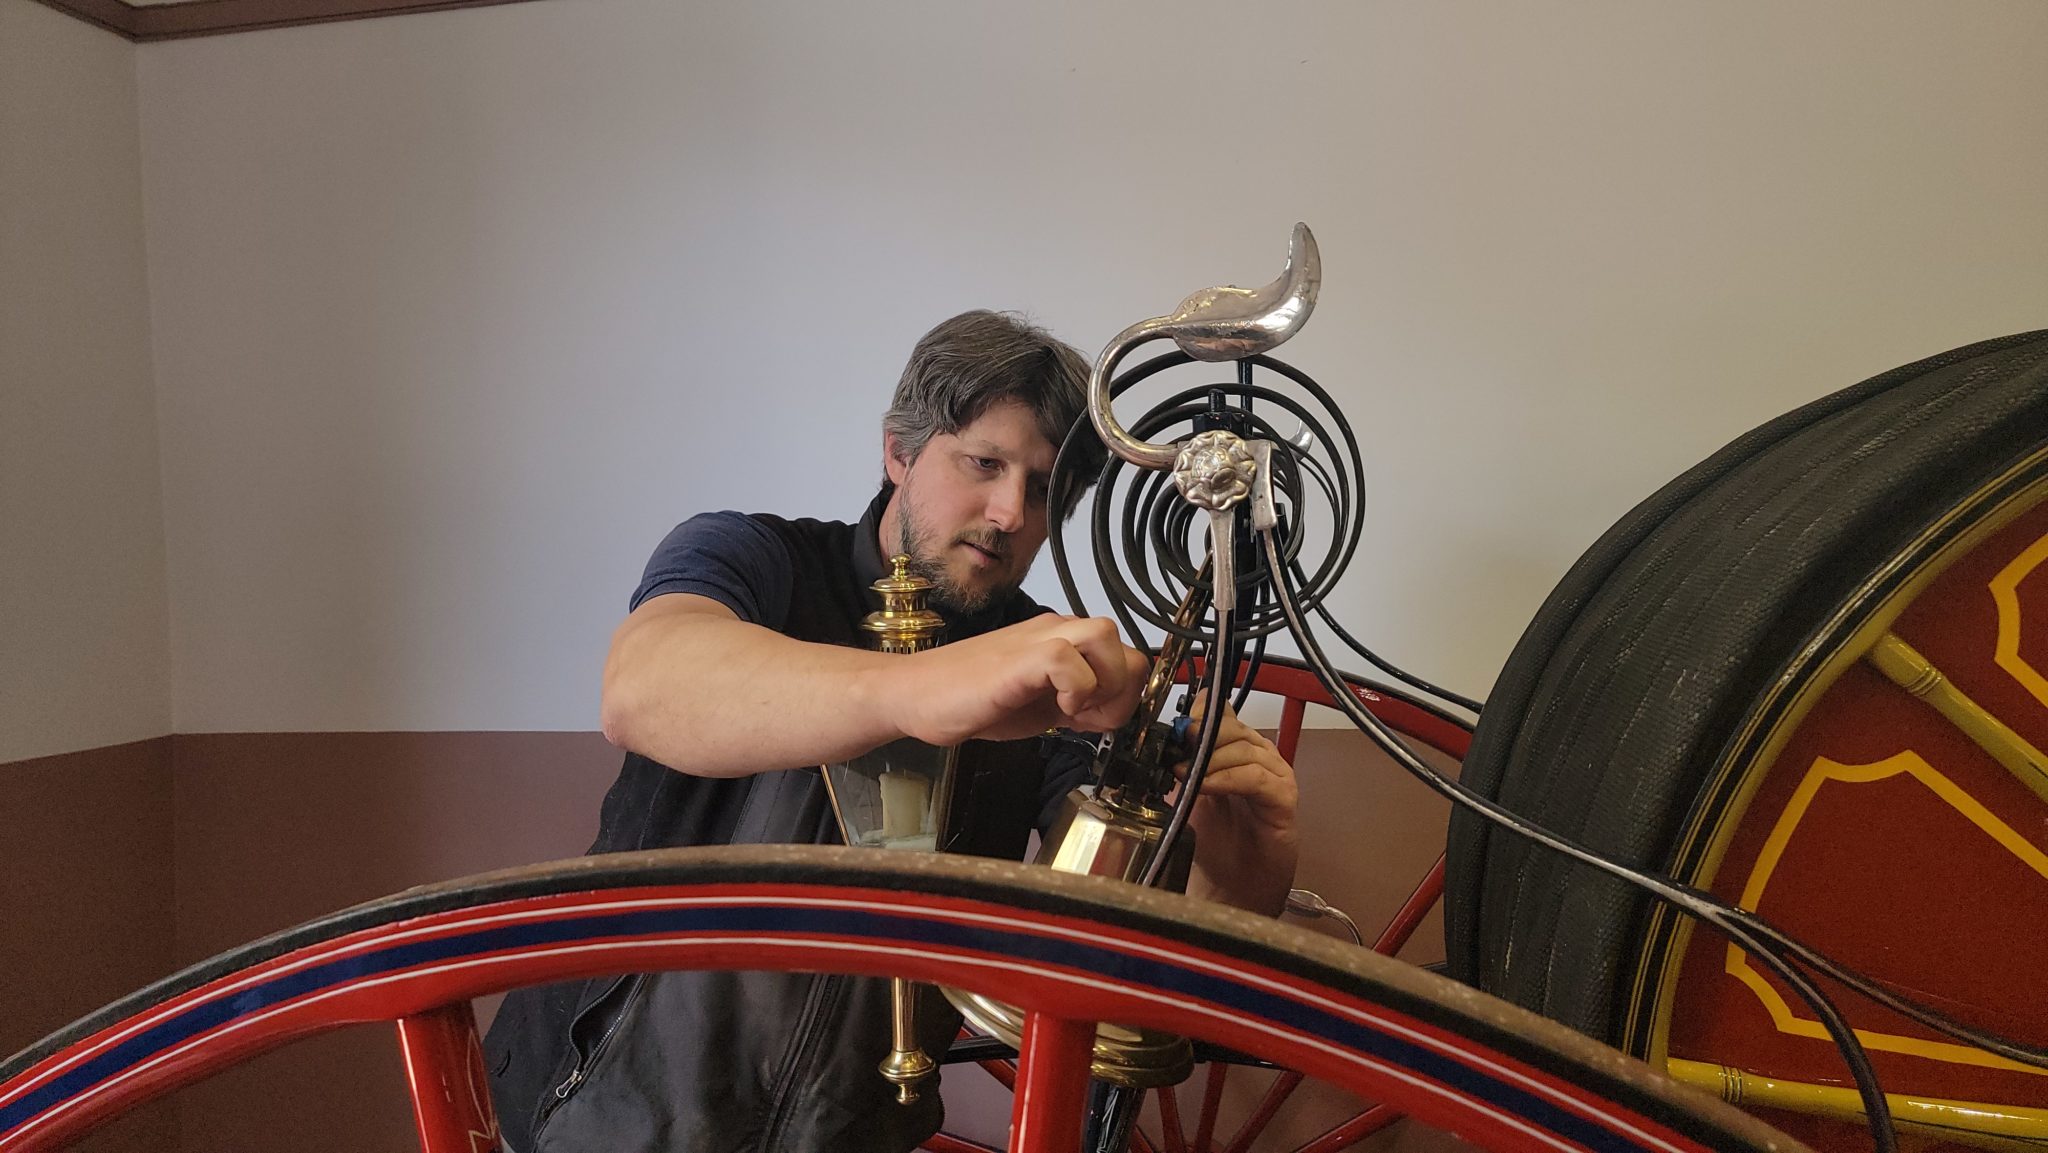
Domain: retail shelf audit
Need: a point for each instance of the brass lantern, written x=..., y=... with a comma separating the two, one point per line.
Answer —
x=899, y=796
x=895, y=796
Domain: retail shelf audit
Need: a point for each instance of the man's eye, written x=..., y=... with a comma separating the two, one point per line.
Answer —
x=987, y=463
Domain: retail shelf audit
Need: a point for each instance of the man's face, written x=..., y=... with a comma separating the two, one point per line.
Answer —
x=970, y=510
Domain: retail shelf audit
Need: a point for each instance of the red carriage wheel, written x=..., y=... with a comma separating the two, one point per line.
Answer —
x=1068, y=950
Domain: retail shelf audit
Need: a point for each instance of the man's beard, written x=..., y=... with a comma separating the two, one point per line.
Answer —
x=929, y=562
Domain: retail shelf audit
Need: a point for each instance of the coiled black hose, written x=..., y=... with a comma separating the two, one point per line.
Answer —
x=1277, y=590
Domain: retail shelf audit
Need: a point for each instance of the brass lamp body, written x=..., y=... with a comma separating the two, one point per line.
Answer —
x=1114, y=835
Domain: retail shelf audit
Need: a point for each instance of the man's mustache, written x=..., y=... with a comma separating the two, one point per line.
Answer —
x=991, y=541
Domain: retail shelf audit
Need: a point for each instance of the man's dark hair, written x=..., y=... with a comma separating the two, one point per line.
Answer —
x=979, y=358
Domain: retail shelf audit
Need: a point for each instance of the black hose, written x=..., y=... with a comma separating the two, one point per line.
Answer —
x=1154, y=527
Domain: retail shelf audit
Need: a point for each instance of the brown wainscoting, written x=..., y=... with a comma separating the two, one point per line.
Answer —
x=189, y=18
x=276, y=828
x=86, y=910
x=85, y=883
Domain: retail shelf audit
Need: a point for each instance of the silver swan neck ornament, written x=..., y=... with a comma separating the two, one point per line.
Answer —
x=1214, y=324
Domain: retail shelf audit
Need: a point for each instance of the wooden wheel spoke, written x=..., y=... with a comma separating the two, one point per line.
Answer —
x=1905, y=667
x=1005, y=1072
x=1212, y=1100
x=1353, y=1131
x=1277, y=1094
x=1170, y=1132
x=1412, y=911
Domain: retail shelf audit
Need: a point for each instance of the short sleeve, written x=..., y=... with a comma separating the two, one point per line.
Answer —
x=727, y=556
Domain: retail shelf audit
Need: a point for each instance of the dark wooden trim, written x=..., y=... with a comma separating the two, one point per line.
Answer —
x=218, y=17
x=144, y=23
x=112, y=15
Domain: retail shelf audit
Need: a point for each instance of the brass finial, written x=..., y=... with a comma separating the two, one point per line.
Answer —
x=907, y=1064
x=904, y=624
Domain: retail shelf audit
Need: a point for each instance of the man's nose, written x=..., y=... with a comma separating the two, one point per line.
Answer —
x=1006, y=505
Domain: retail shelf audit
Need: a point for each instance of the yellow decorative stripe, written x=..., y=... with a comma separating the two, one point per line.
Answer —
x=1955, y=797
x=1906, y=668
x=2006, y=595
x=1978, y=1123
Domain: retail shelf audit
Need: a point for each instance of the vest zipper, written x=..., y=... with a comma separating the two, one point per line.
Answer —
x=823, y=994
x=611, y=1000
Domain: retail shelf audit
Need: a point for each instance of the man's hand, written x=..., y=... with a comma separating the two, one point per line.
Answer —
x=1051, y=671
x=1246, y=842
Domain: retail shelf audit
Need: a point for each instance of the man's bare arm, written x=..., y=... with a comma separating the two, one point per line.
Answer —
x=690, y=685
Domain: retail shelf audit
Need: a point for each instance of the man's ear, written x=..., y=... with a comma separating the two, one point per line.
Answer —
x=895, y=462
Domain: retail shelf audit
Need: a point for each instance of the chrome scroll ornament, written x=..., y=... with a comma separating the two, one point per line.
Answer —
x=1222, y=323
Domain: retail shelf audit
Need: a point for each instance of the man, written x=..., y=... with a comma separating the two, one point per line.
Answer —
x=739, y=669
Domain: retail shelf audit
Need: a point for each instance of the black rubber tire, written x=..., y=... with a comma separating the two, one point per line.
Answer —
x=1631, y=679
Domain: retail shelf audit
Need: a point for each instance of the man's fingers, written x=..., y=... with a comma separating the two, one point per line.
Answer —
x=1111, y=659
x=1235, y=781
x=1235, y=743
x=1073, y=678
x=1097, y=642
x=1095, y=676
x=1230, y=756
x=1232, y=728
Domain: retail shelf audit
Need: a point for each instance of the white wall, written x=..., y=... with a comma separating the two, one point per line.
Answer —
x=84, y=646
x=457, y=313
